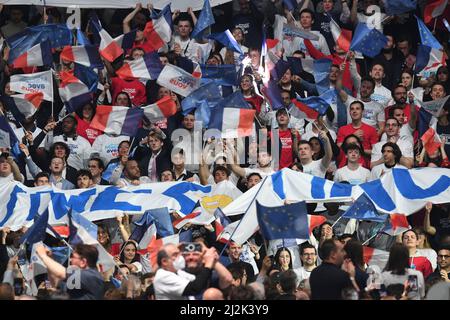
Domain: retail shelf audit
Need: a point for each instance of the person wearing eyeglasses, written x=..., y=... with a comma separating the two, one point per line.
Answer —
x=442, y=271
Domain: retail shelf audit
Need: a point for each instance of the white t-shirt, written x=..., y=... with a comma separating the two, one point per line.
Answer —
x=381, y=94
x=260, y=171
x=170, y=286
x=405, y=146
x=373, y=112
x=315, y=168
x=302, y=274
x=107, y=146
x=381, y=169
x=354, y=177
x=80, y=151
x=189, y=48
x=406, y=133
x=430, y=254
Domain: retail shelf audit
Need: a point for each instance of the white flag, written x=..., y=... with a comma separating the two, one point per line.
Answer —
x=434, y=106
x=34, y=82
x=178, y=80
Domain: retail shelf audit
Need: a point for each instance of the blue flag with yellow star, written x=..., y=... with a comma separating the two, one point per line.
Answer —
x=426, y=36
x=287, y=221
x=58, y=35
x=368, y=41
x=364, y=209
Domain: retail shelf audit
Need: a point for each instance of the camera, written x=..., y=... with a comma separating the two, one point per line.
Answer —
x=191, y=247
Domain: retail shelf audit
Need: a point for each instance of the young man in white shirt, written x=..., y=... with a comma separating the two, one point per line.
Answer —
x=381, y=94
x=392, y=131
x=308, y=256
x=391, y=159
x=315, y=167
x=353, y=172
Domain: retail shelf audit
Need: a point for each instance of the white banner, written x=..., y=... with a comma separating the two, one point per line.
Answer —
x=178, y=80
x=181, y=5
x=34, y=82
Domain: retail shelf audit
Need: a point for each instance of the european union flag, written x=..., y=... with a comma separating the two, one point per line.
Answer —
x=321, y=69
x=205, y=19
x=209, y=93
x=368, y=41
x=227, y=39
x=394, y=7
x=37, y=232
x=58, y=35
x=224, y=74
x=364, y=209
x=287, y=221
x=426, y=36
x=162, y=221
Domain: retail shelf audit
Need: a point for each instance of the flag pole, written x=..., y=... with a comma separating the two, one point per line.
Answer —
x=245, y=212
x=435, y=22
x=368, y=240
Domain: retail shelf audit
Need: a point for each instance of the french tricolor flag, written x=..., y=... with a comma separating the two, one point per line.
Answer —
x=431, y=141
x=221, y=222
x=39, y=55
x=158, y=31
x=375, y=257
x=26, y=104
x=109, y=49
x=396, y=224
x=302, y=111
x=73, y=92
x=160, y=110
x=314, y=221
x=157, y=244
x=85, y=55
x=126, y=41
x=232, y=122
x=198, y=216
x=342, y=37
x=434, y=10
x=148, y=67
x=429, y=59
x=117, y=120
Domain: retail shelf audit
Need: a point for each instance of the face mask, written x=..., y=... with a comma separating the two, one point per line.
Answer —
x=179, y=263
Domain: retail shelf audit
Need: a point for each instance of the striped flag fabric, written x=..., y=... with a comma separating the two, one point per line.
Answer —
x=431, y=141
x=147, y=67
x=342, y=37
x=158, y=31
x=73, y=92
x=428, y=60
x=36, y=56
x=375, y=257
x=396, y=224
x=126, y=41
x=221, y=222
x=117, y=120
x=314, y=221
x=232, y=122
x=161, y=109
x=109, y=49
x=198, y=216
x=157, y=244
x=24, y=105
x=85, y=55
x=434, y=9
x=144, y=230
x=302, y=111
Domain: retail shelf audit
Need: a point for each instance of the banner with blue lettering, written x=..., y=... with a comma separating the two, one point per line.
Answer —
x=399, y=191
x=19, y=204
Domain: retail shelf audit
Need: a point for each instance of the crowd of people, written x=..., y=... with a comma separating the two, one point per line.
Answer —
x=370, y=127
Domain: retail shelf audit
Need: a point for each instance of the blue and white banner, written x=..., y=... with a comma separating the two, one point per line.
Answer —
x=19, y=204
x=399, y=191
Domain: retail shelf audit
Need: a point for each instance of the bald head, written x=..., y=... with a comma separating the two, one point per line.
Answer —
x=258, y=289
x=213, y=294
